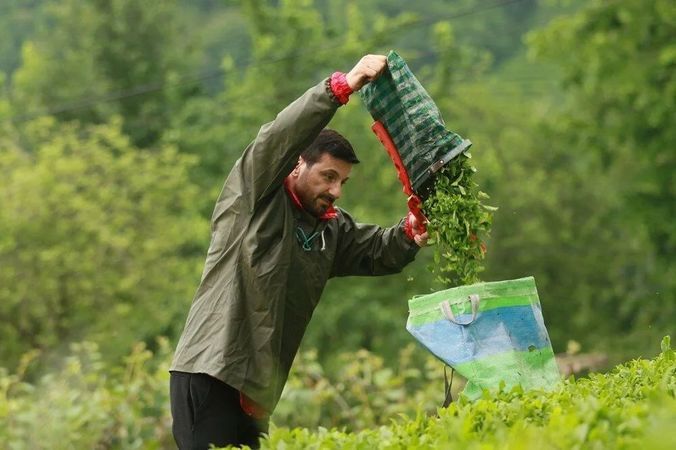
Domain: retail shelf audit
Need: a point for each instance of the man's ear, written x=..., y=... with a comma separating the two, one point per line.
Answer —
x=296, y=170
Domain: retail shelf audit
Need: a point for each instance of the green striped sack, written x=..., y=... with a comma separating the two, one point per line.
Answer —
x=490, y=333
x=403, y=106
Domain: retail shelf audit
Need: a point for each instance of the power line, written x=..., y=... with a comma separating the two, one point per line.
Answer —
x=199, y=77
x=488, y=7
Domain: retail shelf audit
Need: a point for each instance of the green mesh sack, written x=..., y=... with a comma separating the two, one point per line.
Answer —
x=398, y=101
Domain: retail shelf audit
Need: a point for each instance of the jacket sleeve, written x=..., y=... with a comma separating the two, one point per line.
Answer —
x=275, y=151
x=365, y=249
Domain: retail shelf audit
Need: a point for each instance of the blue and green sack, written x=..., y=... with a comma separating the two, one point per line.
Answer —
x=491, y=333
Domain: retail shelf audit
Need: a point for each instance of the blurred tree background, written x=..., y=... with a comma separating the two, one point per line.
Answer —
x=120, y=119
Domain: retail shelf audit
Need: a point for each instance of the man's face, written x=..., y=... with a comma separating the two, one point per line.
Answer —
x=320, y=184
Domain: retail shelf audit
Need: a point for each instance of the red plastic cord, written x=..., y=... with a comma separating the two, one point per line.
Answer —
x=414, y=202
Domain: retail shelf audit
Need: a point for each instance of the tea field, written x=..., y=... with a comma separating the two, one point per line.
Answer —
x=631, y=407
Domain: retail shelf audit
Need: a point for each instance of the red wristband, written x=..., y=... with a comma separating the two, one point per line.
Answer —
x=340, y=88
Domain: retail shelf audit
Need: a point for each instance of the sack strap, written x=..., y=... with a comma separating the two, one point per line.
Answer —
x=448, y=311
x=447, y=387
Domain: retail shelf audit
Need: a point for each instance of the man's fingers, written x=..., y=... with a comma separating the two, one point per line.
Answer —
x=377, y=63
x=421, y=239
x=367, y=69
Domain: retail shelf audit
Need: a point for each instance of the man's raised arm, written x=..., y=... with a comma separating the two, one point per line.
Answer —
x=275, y=151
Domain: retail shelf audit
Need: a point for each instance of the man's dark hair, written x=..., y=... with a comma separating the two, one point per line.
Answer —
x=331, y=142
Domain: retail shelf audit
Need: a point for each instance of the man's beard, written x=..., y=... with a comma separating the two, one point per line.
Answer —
x=319, y=205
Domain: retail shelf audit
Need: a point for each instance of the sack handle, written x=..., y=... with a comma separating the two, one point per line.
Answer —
x=448, y=312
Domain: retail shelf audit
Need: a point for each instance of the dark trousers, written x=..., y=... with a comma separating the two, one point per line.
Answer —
x=207, y=411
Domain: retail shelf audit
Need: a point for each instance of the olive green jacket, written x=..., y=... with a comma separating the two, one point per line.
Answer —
x=259, y=287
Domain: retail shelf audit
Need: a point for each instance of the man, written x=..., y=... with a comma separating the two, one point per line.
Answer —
x=276, y=240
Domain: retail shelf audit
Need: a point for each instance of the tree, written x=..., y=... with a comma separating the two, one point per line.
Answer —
x=102, y=58
x=98, y=239
x=18, y=20
x=622, y=85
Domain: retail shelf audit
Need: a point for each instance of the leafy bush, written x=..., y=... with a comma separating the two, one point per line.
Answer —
x=364, y=392
x=91, y=223
x=631, y=407
x=84, y=405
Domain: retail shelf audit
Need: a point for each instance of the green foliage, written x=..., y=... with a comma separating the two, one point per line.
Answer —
x=618, y=122
x=459, y=223
x=630, y=408
x=290, y=41
x=363, y=392
x=90, y=224
x=96, y=54
x=561, y=220
x=581, y=170
x=632, y=103
x=480, y=23
x=84, y=403
x=18, y=21
x=566, y=163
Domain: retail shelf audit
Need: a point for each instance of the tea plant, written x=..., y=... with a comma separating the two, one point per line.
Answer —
x=632, y=407
x=86, y=405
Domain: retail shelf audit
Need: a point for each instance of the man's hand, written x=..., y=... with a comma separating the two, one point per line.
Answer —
x=367, y=69
x=419, y=237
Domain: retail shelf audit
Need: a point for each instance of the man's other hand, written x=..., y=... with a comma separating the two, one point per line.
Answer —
x=419, y=237
x=367, y=69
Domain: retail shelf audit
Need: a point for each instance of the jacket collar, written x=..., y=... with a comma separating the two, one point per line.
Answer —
x=331, y=212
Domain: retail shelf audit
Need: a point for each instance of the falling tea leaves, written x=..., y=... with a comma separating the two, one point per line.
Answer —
x=459, y=223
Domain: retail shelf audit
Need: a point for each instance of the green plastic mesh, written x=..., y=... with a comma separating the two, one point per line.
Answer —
x=403, y=106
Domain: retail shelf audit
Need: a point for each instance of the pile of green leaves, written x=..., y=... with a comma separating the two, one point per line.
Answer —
x=459, y=223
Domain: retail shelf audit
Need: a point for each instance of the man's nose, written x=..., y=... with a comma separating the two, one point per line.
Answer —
x=335, y=190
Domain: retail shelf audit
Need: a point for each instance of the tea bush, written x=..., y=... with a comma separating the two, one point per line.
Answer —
x=85, y=405
x=634, y=406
